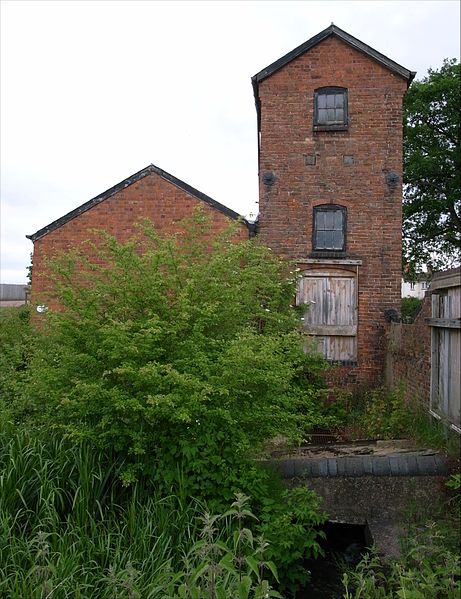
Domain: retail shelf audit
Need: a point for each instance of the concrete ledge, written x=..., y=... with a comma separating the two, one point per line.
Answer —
x=406, y=464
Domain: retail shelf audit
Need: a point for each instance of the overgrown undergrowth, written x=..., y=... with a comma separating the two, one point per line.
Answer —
x=68, y=528
x=430, y=565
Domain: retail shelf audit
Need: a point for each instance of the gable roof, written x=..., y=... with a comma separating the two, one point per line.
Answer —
x=335, y=31
x=129, y=181
x=330, y=31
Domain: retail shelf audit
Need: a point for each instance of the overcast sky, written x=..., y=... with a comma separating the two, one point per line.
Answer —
x=93, y=91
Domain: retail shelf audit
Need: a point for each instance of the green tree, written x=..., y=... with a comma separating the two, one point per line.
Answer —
x=171, y=352
x=432, y=155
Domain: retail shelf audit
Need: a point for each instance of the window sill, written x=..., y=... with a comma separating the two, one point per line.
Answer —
x=328, y=254
x=331, y=127
x=343, y=363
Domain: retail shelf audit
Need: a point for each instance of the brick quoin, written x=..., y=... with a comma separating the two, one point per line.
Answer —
x=349, y=168
x=149, y=196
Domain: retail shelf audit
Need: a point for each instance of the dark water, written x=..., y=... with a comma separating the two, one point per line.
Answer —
x=344, y=546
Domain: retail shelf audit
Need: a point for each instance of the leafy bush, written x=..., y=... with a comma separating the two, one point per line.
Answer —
x=177, y=358
x=16, y=346
x=290, y=525
x=410, y=307
x=429, y=569
x=179, y=354
x=378, y=414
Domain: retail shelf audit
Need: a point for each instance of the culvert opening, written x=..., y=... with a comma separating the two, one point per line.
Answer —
x=344, y=546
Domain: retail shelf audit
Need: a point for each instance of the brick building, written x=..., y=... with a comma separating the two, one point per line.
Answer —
x=330, y=168
x=150, y=193
x=329, y=117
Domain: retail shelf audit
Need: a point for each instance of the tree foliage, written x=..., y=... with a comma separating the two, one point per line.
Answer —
x=432, y=154
x=171, y=352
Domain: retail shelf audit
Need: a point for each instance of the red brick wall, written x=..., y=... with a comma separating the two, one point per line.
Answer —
x=409, y=356
x=374, y=139
x=152, y=197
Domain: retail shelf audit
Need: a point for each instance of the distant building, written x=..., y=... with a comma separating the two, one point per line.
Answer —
x=416, y=288
x=13, y=295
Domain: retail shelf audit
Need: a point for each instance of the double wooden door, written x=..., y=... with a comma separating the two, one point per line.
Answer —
x=330, y=317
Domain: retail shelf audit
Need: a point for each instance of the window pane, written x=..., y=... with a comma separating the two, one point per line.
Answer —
x=322, y=115
x=329, y=220
x=330, y=115
x=320, y=240
x=322, y=101
x=340, y=115
x=338, y=240
x=339, y=100
x=320, y=218
x=330, y=101
x=338, y=221
x=329, y=240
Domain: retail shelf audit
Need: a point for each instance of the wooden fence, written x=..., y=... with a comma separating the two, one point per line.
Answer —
x=445, y=323
x=425, y=356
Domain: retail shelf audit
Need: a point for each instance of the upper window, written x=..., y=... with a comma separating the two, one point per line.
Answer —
x=329, y=228
x=330, y=108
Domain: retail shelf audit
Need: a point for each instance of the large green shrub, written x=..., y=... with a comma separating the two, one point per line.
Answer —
x=173, y=352
x=181, y=357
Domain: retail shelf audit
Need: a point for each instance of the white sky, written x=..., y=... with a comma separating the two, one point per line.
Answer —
x=93, y=91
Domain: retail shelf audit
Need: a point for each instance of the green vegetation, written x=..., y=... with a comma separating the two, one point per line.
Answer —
x=383, y=414
x=139, y=407
x=180, y=342
x=16, y=343
x=432, y=170
x=410, y=307
x=430, y=564
x=69, y=529
x=429, y=567
x=130, y=420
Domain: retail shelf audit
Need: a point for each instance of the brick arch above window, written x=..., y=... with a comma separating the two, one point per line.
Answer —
x=331, y=109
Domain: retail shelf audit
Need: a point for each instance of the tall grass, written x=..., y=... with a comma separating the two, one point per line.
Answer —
x=68, y=529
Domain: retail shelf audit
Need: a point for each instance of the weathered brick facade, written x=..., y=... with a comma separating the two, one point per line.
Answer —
x=358, y=168
x=354, y=165
x=151, y=194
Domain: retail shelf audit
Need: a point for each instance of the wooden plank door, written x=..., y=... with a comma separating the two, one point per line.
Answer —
x=331, y=312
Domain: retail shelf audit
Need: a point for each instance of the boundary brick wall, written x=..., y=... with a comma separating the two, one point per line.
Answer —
x=408, y=359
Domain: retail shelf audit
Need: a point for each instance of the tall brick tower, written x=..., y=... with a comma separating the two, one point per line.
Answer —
x=330, y=181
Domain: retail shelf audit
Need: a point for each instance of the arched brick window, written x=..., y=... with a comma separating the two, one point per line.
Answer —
x=329, y=228
x=330, y=108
